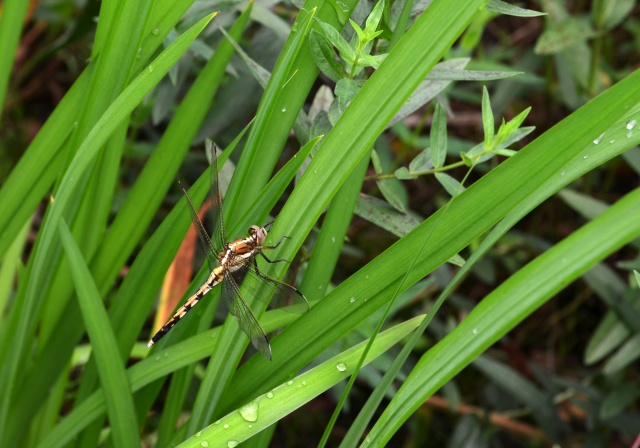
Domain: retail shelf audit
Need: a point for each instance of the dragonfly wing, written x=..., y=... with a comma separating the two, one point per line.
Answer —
x=210, y=250
x=269, y=290
x=219, y=234
x=246, y=319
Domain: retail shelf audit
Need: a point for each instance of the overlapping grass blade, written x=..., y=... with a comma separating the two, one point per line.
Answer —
x=231, y=343
x=118, y=398
x=113, y=116
x=505, y=307
x=11, y=20
x=341, y=150
x=269, y=408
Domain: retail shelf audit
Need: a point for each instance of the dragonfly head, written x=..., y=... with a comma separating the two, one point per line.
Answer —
x=259, y=234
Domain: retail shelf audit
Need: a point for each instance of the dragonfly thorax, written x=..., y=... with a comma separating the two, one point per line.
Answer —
x=259, y=234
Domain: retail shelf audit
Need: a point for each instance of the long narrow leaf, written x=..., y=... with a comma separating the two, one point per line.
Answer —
x=11, y=21
x=267, y=409
x=125, y=103
x=515, y=299
x=118, y=398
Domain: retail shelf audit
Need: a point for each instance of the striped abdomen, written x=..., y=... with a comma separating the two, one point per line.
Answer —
x=215, y=278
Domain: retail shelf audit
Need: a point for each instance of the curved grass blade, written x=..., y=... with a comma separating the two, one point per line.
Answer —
x=113, y=116
x=119, y=401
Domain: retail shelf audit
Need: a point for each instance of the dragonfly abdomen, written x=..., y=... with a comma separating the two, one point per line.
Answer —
x=215, y=278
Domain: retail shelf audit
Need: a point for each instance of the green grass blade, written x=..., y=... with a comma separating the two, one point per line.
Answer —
x=332, y=234
x=114, y=115
x=471, y=214
x=119, y=36
x=9, y=267
x=267, y=409
x=232, y=340
x=160, y=170
x=20, y=194
x=130, y=306
x=357, y=130
x=292, y=78
x=11, y=21
x=505, y=307
x=160, y=364
x=119, y=400
x=274, y=189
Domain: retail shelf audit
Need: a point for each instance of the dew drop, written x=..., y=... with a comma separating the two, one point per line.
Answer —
x=199, y=433
x=232, y=443
x=629, y=134
x=475, y=331
x=250, y=426
x=612, y=141
x=366, y=277
x=249, y=411
x=284, y=109
x=586, y=156
x=341, y=366
x=269, y=394
x=225, y=426
x=157, y=358
x=315, y=171
x=333, y=239
x=352, y=299
x=204, y=443
x=150, y=68
x=562, y=173
x=304, y=383
x=156, y=31
x=599, y=139
x=631, y=124
x=289, y=383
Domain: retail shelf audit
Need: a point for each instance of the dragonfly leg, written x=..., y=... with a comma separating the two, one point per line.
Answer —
x=278, y=243
x=272, y=261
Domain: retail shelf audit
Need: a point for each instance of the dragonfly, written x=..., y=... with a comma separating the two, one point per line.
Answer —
x=234, y=265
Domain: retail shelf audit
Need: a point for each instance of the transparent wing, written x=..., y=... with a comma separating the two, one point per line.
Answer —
x=269, y=290
x=210, y=250
x=219, y=234
x=246, y=319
